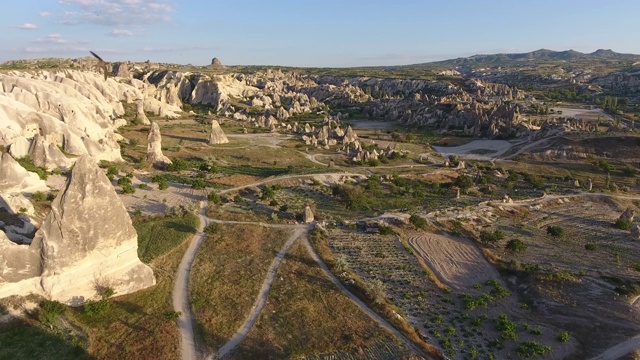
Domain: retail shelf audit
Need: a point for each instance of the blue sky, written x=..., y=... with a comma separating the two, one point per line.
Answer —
x=329, y=33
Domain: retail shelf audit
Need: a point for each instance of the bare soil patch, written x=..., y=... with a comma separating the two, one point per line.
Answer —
x=457, y=261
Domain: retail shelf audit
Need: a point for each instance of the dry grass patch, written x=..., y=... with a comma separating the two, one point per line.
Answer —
x=306, y=314
x=226, y=278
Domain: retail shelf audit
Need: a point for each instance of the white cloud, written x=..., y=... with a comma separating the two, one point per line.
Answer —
x=120, y=32
x=44, y=13
x=52, y=39
x=25, y=26
x=116, y=12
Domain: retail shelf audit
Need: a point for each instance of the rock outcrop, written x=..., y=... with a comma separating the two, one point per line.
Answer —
x=217, y=135
x=635, y=231
x=86, y=243
x=14, y=178
x=307, y=217
x=154, y=148
x=216, y=62
x=628, y=215
x=141, y=117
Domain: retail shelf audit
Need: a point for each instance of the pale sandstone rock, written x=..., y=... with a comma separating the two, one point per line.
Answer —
x=19, y=148
x=14, y=178
x=154, y=148
x=88, y=239
x=140, y=115
x=307, y=217
x=217, y=135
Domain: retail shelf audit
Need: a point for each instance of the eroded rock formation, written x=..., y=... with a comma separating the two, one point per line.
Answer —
x=154, y=148
x=86, y=243
x=217, y=135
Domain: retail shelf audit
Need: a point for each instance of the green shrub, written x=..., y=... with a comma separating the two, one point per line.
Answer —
x=623, y=224
x=142, y=186
x=39, y=196
x=49, y=311
x=163, y=184
x=507, y=327
x=563, y=336
x=556, y=231
x=97, y=308
x=198, y=184
x=386, y=230
x=124, y=181
x=128, y=189
x=590, y=247
x=516, y=245
x=418, y=221
x=214, y=197
x=284, y=208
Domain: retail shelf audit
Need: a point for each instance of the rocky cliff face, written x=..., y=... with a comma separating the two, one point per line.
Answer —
x=86, y=242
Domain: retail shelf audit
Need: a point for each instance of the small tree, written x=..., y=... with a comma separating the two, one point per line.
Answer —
x=516, y=245
x=376, y=290
x=340, y=264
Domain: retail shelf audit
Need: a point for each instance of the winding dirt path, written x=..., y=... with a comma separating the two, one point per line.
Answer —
x=620, y=350
x=180, y=294
x=261, y=299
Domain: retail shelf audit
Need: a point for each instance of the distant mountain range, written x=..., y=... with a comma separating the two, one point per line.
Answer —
x=542, y=55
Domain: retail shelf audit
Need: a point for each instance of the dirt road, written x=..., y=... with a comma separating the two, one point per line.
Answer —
x=180, y=295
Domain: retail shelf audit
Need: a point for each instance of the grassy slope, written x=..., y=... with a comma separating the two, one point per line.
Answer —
x=226, y=277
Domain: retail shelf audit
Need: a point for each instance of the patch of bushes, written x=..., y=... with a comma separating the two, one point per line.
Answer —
x=27, y=163
x=591, y=247
x=529, y=349
x=128, y=189
x=491, y=236
x=49, y=311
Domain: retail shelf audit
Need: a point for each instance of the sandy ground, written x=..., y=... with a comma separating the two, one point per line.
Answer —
x=582, y=113
x=486, y=149
x=457, y=262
